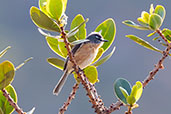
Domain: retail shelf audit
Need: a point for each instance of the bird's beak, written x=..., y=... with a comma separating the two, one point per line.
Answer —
x=104, y=40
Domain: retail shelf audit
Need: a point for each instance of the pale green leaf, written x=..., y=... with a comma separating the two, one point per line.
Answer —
x=101, y=61
x=58, y=63
x=7, y=73
x=4, y=51
x=155, y=21
x=53, y=44
x=133, y=25
x=143, y=43
x=81, y=34
x=41, y=20
x=108, y=30
x=160, y=10
x=55, y=8
x=4, y=104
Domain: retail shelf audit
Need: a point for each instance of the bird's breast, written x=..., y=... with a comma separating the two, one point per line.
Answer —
x=86, y=54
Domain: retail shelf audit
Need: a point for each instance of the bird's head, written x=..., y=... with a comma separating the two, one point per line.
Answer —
x=96, y=37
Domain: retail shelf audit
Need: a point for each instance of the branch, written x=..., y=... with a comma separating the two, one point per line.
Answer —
x=160, y=62
x=91, y=91
x=12, y=103
x=70, y=98
x=113, y=107
x=151, y=75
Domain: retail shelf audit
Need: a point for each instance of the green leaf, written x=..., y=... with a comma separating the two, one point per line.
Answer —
x=81, y=34
x=99, y=54
x=104, y=59
x=160, y=10
x=65, y=4
x=58, y=63
x=131, y=100
x=108, y=30
x=151, y=34
x=42, y=6
x=7, y=72
x=124, y=92
x=120, y=82
x=151, y=9
x=1, y=111
x=145, y=16
x=4, y=104
x=143, y=43
x=167, y=33
x=92, y=74
x=62, y=49
x=42, y=20
x=4, y=51
x=155, y=21
x=137, y=90
x=142, y=22
x=53, y=44
x=55, y=8
x=133, y=25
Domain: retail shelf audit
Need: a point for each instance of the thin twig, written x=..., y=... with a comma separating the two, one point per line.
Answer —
x=12, y=103
x=151, y=75
x=82, y=77
x=70, y=98
x=160, y=62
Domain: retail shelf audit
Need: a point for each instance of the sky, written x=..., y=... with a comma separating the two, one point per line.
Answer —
x=35, y=81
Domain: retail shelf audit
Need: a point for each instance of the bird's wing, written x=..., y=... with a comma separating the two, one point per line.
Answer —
x=74, y=49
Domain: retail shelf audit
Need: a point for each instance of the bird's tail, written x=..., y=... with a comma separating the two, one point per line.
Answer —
x=61, y=83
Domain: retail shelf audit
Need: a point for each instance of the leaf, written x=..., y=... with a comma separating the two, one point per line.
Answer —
x=65, y=4
x=58, y=63
x=167, y=33
x=151, y=9
x=92, y=74
x=145, y=16
x=55, y=8
x=53, y=44
x=1, y=112
x=99, y=54
x=151, y=34
x=4, y=51
x=4, y=104
x=42, y=20
x=108, y=30
x=137, y=90
x=42, y=6
x=104, y=59
x=143, y=43
x=124, y=92
x=132, y=24
x=81, y=34
x=155, y=21
x=7, y=72
x=62, y=49
x=22, y=64
x=143, y=20
x=131, y=100
x=160, y=10
x=120, y=82
x=31, y=111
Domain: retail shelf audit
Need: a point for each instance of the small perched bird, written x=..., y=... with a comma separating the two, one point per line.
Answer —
x=84, y=53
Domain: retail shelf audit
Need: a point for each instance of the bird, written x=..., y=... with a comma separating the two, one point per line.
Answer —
x=83, y=53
